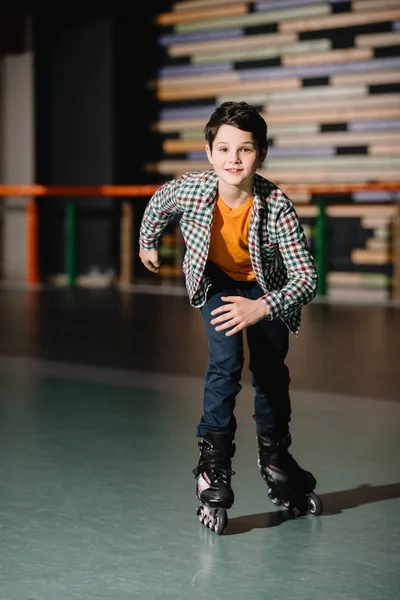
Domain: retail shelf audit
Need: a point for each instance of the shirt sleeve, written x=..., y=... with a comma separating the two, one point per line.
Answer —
x=302, y=282
x=160, y=209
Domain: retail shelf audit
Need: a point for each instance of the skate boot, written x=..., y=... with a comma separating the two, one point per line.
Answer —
x=213, y=479
x=287, y=482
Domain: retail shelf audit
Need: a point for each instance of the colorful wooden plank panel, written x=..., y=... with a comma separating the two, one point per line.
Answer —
x=326, y=76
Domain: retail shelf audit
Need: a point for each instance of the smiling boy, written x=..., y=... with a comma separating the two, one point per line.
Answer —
x=247, y=266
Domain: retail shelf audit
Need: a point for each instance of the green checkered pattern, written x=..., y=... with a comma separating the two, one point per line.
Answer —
x=282, y=262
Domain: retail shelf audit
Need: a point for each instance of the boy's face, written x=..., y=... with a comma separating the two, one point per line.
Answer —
x=234, y=155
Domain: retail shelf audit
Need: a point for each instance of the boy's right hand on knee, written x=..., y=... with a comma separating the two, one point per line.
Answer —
x=150, y=259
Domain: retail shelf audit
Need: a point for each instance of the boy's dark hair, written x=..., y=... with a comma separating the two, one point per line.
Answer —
x=240, y=115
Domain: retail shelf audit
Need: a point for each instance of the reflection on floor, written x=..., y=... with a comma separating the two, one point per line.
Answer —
x=100, y=393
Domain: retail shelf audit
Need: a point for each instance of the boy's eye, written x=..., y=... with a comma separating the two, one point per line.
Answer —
x=222, y=149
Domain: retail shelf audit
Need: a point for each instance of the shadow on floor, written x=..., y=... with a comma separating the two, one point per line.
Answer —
x=247, y=523
x=334, y=503
x=337, y=502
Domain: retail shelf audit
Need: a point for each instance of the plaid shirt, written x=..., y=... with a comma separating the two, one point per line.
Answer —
x=282, y=262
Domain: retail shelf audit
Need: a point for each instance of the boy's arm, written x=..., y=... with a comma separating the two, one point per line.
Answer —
x=150, y=259
x=161, y=208
x=237, y=312
x=302, y=283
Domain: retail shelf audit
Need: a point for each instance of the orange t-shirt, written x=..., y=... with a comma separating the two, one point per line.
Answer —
x=229, y=247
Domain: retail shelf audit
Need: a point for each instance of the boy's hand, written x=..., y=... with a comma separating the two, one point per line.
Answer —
x=238, y=313
x=150, y=259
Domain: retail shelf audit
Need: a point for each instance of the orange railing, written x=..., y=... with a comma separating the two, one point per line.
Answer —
x=126, y=231
x=35, y=191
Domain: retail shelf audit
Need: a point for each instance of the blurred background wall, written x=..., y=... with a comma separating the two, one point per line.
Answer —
x=17, y=162
x=117, y=99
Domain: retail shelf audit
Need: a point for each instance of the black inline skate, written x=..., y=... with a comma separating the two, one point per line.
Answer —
x=213, y=479
x=287, y=482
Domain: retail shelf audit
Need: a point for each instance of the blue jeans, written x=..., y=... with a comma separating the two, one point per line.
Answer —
x=268, y=342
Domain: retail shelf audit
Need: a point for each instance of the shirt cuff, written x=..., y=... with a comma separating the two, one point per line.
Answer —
x=270, y=307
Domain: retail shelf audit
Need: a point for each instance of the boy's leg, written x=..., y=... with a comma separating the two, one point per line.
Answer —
x=222, y=379
x=217, y=426
x=268, y=343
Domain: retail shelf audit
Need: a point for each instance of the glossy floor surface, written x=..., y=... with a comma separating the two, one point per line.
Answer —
x=100, y=394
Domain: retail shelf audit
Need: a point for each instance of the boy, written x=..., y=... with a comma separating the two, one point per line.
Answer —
x=247, y=265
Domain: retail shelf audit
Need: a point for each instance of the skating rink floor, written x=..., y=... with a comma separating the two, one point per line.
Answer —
x=100, y=394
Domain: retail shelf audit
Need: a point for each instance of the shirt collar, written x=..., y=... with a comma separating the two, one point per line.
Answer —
x=261, y=189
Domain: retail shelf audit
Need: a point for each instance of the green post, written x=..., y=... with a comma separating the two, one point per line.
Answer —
x=320, y=246
x=70, y=235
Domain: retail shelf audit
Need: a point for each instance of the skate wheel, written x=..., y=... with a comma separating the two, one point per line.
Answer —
x=289, y=504
x=214, y=519
x=314, y=504
x=220, y=521
x=273, y=498
x=201, y=513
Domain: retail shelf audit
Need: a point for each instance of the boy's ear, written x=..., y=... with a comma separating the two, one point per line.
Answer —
x=208, y=152
x=263, y=155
